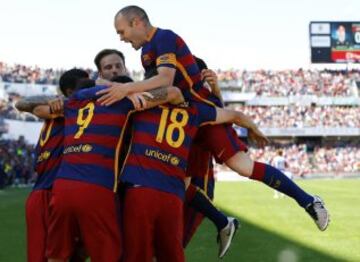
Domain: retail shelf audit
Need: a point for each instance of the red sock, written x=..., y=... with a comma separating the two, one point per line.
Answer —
x=258, y=171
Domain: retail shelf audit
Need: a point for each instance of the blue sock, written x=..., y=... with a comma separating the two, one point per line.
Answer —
x=203, y=205
x=276, y=179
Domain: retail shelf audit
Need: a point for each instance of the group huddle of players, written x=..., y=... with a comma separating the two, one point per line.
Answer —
x=125, y=168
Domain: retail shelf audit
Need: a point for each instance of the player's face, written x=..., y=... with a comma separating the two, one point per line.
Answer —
x=112, y=66
x=129, y=31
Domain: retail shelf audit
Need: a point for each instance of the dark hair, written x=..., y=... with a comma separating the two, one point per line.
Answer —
x=132, y=11
x=200, y=63
x=69, y=79
x=122, y=79
x=107, y=52
x=85, y=83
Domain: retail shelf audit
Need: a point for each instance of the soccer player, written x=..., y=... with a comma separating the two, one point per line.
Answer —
x=48, y=157
x=280, y=163
x=110, y=63
x=169, y=54
x=155, y=170
x=83, y=198
x=200, y=169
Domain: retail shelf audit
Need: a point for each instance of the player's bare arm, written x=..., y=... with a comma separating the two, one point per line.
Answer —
x=240, y=119
x=28, y=104
x=157, y=97
x=41, y=106
x=117, y=91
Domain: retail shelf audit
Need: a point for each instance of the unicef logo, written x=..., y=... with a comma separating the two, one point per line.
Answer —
x=86, y=148
x=174, y=161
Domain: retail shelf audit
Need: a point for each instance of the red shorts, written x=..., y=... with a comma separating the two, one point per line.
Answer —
x=221, y=140
x=37, y=218
x=153, y=226
x=86, y=210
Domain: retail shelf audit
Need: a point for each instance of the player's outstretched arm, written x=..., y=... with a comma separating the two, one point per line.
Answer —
x=40, y=106
x=28, y=104
x=161, y=95
x=240, y=119
x=118, y=91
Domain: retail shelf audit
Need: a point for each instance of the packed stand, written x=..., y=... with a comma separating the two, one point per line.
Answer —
x=302, y=116
x=16, y=163
x=290, y=82
x=35, y=75
x=305, y=159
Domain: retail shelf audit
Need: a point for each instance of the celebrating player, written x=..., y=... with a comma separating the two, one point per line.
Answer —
x=48, y=157
x=169, y=54
x=83, y=200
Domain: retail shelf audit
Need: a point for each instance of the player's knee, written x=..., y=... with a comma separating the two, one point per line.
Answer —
x=241, y=163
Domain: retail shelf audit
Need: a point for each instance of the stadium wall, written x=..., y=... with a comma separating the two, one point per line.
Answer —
x=17, y=128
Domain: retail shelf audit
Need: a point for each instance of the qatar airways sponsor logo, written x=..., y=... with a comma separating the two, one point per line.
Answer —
x=164, y=157
x=82, y=148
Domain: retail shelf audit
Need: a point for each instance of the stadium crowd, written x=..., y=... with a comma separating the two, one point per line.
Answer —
x=263, y=82
x=17, y=158
x=302, y=116
x=290, y=82
x=333, y=158
x=16, y=162
x=33, y=74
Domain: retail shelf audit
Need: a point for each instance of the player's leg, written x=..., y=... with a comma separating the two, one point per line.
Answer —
x=36, y=210
x=269, y=175
x=198, y=200
x=274, y=178
x=232, y=152
x=99, y=222
x=63, y=227
x=140, y=209
x=169, y=228
x=200, y=175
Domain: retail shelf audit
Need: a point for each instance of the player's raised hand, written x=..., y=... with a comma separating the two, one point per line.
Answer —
x=209, y=76
x=114, y=93
x=56, y=106
x=258, y=137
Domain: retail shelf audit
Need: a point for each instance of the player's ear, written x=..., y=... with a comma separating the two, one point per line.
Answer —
x=135, y=21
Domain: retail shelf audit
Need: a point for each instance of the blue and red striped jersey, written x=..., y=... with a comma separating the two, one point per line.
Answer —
x=93, y=137
x=48, y=152
x=160, y=146
x=165, y=48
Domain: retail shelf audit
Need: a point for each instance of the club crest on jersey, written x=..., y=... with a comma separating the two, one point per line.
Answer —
x=43, y=156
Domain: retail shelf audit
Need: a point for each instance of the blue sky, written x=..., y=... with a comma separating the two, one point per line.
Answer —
x=269, y=34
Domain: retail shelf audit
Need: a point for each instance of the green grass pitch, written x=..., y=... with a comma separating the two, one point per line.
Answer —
x=271, y=229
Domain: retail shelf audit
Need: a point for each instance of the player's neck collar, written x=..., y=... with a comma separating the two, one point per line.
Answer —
x=151, y=34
